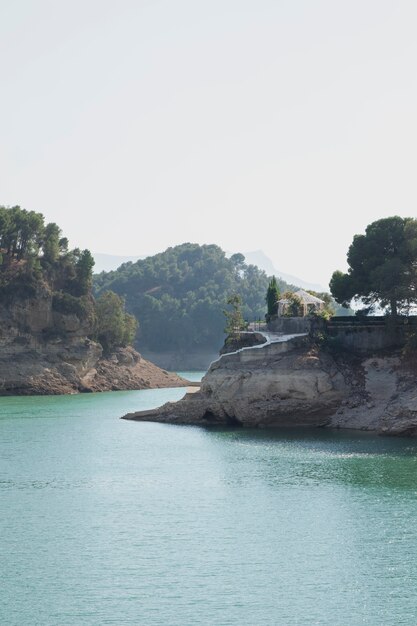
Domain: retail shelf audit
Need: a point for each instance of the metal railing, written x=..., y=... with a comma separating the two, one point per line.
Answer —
x=257, y=325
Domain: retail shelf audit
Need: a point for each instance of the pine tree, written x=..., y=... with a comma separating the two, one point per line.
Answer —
x=272, y=297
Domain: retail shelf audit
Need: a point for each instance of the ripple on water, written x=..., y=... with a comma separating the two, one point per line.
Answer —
x=105, y=521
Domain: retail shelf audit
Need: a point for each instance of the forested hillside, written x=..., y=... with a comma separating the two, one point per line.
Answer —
x=35, y=262
x=178, y=296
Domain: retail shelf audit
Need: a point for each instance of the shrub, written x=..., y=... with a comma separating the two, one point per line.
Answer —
x=114, y=327
x=68, y=304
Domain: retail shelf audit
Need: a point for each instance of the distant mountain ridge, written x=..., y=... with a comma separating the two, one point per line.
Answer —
x=259, y=258
x=109, y=262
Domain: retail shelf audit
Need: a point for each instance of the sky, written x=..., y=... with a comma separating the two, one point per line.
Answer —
x=280, y=125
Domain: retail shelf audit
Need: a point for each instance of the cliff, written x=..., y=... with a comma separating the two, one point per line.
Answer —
x=295, y=383
x=46, y=351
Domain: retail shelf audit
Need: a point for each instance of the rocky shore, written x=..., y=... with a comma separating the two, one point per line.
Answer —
x=46, y=352
x=296, y=383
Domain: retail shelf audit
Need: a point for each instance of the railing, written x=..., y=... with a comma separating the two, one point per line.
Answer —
x=361, y=321
x=257, y=325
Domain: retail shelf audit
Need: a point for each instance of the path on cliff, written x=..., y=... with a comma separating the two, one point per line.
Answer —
x=277, y=337
x=270, y=338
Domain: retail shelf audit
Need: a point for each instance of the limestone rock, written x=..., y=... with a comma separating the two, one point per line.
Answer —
x=43, y=351
x=294, y=383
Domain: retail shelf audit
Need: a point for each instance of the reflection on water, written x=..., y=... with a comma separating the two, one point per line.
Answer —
x=317, y=455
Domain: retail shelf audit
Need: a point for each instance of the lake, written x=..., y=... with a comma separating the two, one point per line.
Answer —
x=106, y=521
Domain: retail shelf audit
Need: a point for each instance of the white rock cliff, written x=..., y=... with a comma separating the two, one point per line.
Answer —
x=295, y=383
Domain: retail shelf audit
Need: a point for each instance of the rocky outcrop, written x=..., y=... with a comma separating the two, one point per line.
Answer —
x=295, y=383
x=44, y=351
x=242, y=340
x=382, y=398
x=126, y=369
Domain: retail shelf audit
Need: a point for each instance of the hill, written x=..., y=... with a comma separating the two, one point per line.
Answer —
x=178, y=296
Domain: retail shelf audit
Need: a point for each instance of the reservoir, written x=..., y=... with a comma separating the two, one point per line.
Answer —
x=106, y=521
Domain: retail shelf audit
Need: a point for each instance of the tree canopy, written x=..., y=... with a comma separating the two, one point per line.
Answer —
x=34, y=254
x=382, y=266
x=272, y=297
x=114, y=327
x=233, y=315
x=179, y=295
x=32, y=250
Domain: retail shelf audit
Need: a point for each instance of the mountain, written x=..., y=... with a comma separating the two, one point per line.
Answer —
x=259, y=258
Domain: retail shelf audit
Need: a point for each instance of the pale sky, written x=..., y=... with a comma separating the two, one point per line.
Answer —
x=285, y=126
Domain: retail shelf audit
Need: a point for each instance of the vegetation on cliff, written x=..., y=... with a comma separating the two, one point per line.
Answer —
x=114, y=327
x=34, y=259
x=382, y=266
x=32, y=252
x=233, y=314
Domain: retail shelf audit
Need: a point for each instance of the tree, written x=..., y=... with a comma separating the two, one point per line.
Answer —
x=51, y=239
x=234, y=320
x=272, y=297
x=20, y=232
x=84, y=270
x=114, y=326
x=238, y=261
x=382, y=266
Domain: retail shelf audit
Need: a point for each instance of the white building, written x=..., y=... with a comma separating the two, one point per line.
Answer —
x=308, y=304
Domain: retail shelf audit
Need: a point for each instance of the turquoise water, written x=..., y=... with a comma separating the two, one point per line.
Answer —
x=194, y=376
x=104, y=521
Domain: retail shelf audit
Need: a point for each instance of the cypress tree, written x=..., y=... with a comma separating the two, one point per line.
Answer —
x=272, y=297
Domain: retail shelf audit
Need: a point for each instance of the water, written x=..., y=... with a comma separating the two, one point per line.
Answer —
x=105, y=521
x=193, y=376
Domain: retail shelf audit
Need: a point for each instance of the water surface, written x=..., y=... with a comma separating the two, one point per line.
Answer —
x=104, y=521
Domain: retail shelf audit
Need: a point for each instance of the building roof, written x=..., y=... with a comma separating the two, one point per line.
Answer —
x=305, y=297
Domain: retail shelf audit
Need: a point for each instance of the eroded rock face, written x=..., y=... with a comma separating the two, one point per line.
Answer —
x=279, y=384
x=294, y=383
x=385, y=401
x=46, y=352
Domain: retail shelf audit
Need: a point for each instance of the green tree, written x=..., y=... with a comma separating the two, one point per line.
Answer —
x=4, y=222
x=382, y=266
x=84, y=271
x=51, y=239
x=114, y=327
x=238, y=261
x=234, y=320
x=63, y=245
x=272, y=297
x=20, y=232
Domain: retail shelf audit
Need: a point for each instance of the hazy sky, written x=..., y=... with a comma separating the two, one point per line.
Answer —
x=281, y=125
